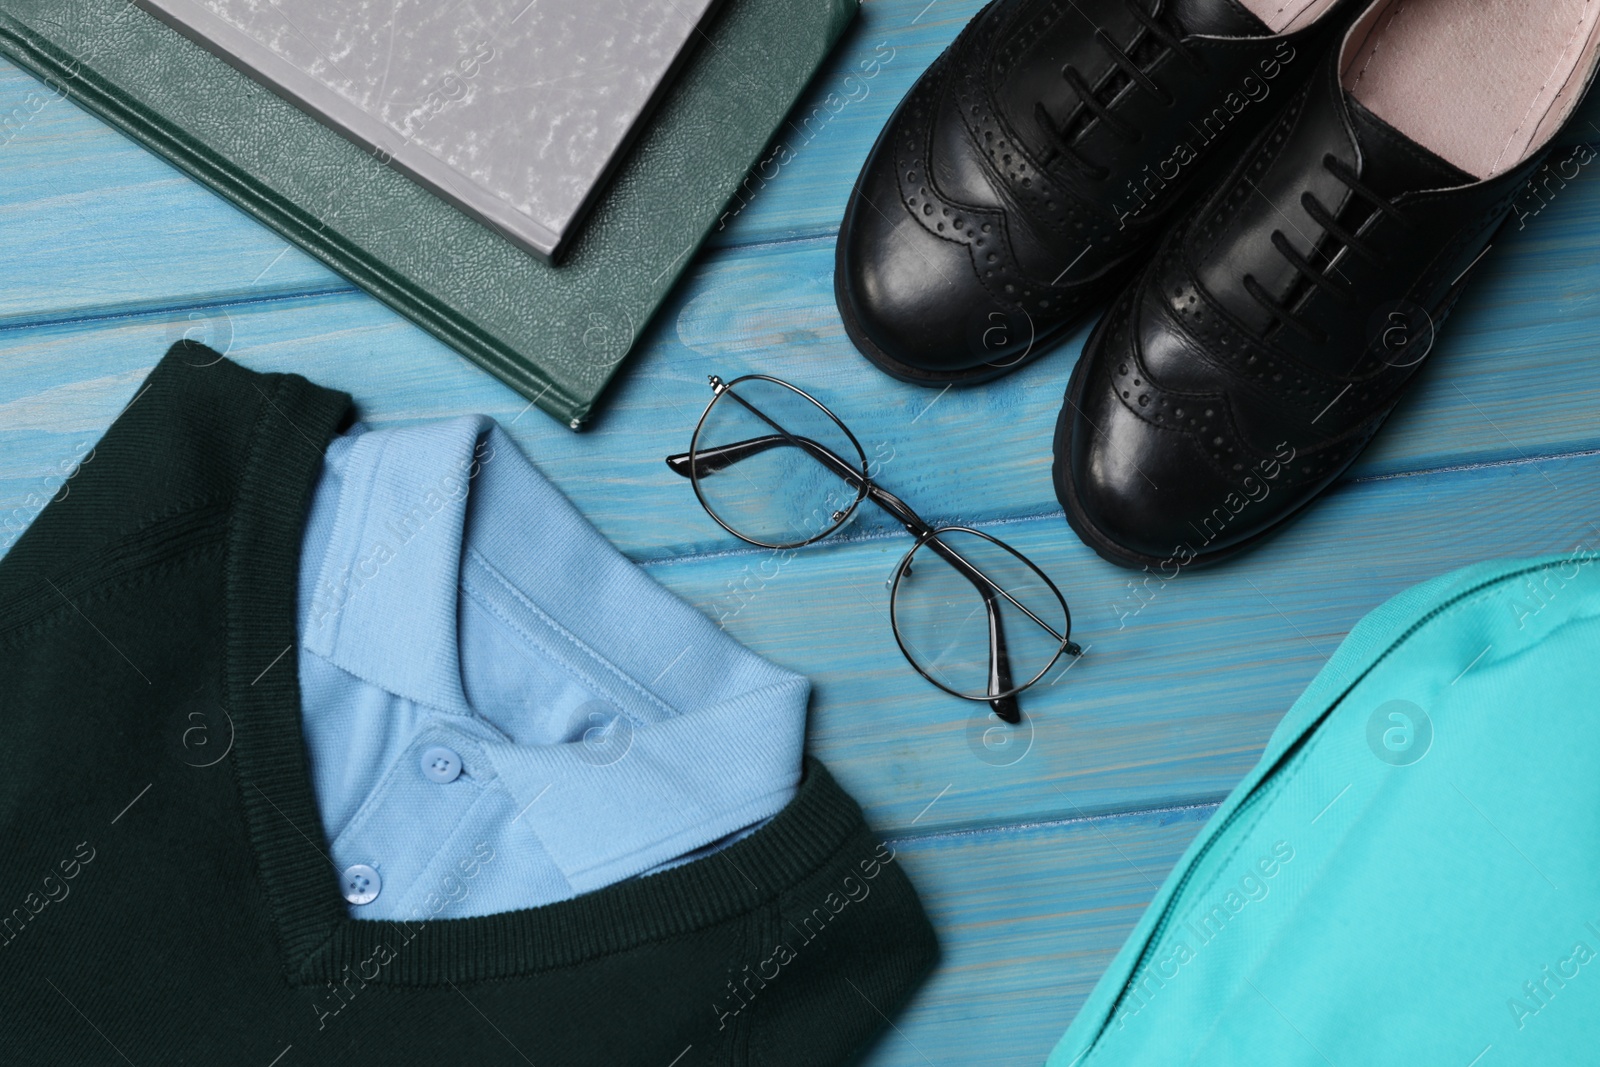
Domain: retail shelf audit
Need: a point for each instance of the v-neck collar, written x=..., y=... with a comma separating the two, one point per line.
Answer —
x=292, y=423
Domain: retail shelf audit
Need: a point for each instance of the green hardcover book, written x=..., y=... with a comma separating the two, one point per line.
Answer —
x=556, y=334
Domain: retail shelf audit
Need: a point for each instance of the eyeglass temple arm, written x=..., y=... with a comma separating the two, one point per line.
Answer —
x=707, y=461
x=1006, y=708
x=710, y=460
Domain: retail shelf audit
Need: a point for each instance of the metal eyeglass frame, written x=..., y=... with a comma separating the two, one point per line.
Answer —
x=696, y=463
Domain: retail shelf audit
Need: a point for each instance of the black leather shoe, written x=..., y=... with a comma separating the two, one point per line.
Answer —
x=1277, y=326
x=1038, y=156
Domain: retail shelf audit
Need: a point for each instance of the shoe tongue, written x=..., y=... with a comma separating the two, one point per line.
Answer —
x=1215, y=18
x=1392, y=163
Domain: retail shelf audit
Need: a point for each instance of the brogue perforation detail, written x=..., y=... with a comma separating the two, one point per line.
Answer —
x=982, y=231
x=1045, y=201
x=1206, y=418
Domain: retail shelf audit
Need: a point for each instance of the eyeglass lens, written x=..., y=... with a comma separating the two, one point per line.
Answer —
x=945, y=616
x=756, y=469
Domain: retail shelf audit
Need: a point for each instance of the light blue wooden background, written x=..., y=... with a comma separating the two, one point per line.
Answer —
x=1034, y=870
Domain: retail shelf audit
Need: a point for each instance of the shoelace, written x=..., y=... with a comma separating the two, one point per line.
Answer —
x=1315, y=278
x=1164, y=31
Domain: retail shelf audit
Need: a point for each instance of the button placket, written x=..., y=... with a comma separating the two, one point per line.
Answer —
x=432, y=788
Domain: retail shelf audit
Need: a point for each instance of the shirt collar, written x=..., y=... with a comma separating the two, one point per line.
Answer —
x=390, y=558
x=713, y=733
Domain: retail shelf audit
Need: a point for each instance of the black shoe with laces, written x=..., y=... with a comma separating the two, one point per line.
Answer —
x=1275, y=329
x=1039, y=156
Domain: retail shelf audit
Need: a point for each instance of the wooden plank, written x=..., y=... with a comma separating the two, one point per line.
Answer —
x=1183, y=680
x=1028, y=919
x=1488, y=395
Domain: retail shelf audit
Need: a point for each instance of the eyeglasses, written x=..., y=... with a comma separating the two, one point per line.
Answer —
x=775, y=468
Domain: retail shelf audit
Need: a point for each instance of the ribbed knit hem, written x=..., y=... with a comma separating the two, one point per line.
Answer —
x=811, y=831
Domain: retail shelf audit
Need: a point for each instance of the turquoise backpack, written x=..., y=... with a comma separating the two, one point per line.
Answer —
x=1411, y=874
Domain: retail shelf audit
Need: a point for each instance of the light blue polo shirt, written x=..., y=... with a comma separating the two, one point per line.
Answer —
x=501, y=710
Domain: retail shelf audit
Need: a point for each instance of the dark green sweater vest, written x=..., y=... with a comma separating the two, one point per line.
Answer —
x=165, y=893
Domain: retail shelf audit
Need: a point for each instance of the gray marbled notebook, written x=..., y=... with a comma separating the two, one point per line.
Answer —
x=513, y=110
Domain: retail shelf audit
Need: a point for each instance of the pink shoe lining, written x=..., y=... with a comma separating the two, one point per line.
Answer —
x=1286, y=16
x=1482, y=83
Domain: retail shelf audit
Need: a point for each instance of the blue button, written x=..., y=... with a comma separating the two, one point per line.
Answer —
x=360, y=884
x=441, y=764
